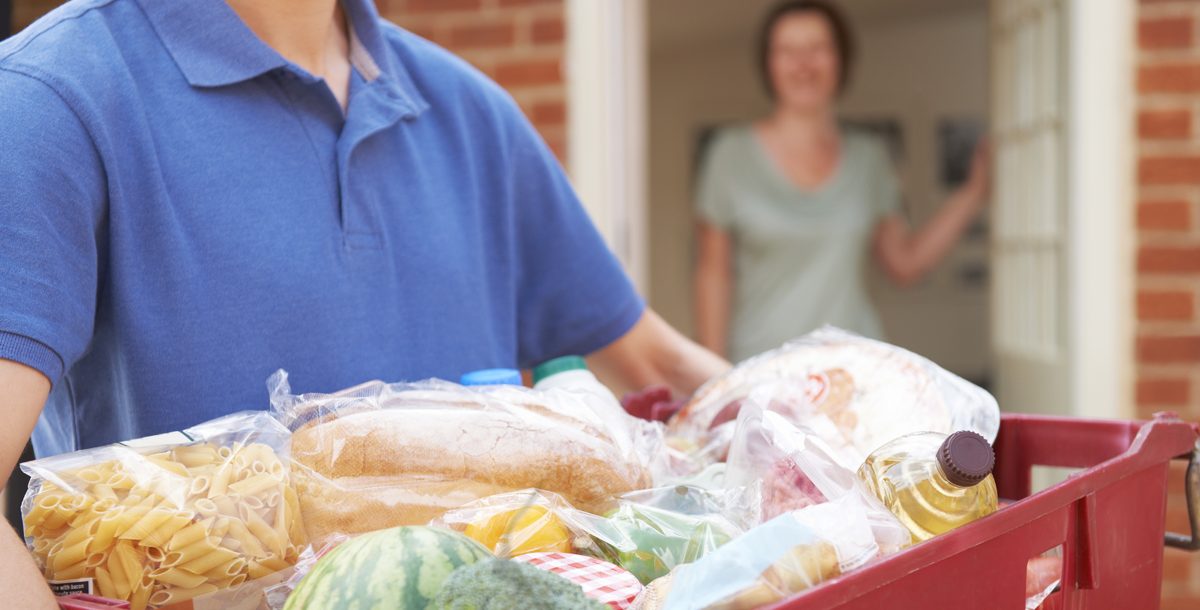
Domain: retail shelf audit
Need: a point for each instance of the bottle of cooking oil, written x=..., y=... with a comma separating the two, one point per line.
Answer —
x=933, y=483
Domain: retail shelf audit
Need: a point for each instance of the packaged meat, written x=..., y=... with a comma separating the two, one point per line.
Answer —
x=853, y=392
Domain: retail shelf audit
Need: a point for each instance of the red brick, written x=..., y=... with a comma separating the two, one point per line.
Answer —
x=1171, y=77
x=1166, y=305
x=507, y=3
x=1164, y=215
x=1174, y=602
x=1178, y=564
x=1166, y=32
x=1173, y=124
x=1168, y=259
x=548, y=31
x=1163, y=392
x=1175, y=169
x=440, y=6
x=550, y=114
x=529, y=73
x=481, y=36
x=1166, y=349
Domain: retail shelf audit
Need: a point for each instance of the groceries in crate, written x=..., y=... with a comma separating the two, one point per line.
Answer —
x=439, y=495
x=156, y=523
x=403, y=568
x=854, y=393
x=932, y=482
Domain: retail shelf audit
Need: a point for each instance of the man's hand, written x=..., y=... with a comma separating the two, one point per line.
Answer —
x=23, y=393
x=653, y=353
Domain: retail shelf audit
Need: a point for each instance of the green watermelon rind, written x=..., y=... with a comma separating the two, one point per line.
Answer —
x=372, y=572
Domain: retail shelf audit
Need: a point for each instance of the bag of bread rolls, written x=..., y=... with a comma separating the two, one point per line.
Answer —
x=792, y=552
x=381, y=455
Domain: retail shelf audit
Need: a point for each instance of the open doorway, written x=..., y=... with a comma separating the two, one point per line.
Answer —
x=921, y=81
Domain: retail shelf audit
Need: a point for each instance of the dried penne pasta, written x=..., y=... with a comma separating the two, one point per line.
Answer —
x=166, y=525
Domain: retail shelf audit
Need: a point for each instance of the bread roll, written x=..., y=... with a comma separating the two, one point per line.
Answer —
x=425, y=452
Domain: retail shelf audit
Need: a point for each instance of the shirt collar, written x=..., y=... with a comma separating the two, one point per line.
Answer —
x=224, y=51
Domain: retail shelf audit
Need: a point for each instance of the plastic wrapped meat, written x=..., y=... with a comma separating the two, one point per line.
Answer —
x=855, y=393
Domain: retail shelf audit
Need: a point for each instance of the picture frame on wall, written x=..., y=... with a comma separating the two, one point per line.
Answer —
x=957, y=139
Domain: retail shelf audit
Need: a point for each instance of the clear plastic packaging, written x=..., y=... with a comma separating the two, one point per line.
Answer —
x=380, y=455
x=520, y=522
x=792, y=552
x=167, y=519
x=853, y=392
x=647, y=533
x=796, y=469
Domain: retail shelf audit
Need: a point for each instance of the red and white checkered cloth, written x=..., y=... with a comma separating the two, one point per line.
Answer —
x=600, y=580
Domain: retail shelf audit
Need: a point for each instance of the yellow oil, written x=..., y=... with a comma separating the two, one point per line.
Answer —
x=906, y=476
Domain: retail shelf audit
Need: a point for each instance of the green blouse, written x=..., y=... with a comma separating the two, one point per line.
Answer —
x=799, y=255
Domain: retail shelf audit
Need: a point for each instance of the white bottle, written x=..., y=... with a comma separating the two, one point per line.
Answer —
x=570, y=373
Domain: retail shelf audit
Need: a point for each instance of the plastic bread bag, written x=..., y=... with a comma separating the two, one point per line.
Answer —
x=856, y=393
x=385, y=455
x=796, y=469
x=788, y=554
x=166, y=519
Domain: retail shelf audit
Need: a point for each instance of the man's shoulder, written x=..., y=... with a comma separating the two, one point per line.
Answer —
x=69, y=50
x=70, y=32
x=443, y=76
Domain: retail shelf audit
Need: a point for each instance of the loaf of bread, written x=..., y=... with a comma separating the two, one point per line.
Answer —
x=418, y=454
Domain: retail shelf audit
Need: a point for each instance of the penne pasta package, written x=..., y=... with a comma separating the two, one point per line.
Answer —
x=166, y=519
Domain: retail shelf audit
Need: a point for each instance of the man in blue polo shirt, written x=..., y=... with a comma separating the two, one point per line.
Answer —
x=194, y=193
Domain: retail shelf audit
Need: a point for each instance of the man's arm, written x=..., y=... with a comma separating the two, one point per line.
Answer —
x=21, y=399
x=654, y=353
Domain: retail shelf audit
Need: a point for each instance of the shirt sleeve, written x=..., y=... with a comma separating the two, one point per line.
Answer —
x=51, y=196
x=573, y=296
x=714, y=202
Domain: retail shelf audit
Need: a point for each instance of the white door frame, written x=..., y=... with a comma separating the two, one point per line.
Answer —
x=1100, y=161
x=606, y=122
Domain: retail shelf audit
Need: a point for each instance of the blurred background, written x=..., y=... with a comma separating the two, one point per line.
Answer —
x=1075, y=294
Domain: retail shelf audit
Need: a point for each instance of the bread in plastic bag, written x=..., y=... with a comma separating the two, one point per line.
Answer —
x=788, y=554
x=158, y=521
x=856, y=393
x=379, y=455
x=796, y=469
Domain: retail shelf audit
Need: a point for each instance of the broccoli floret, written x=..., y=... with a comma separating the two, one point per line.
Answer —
x=501, y=584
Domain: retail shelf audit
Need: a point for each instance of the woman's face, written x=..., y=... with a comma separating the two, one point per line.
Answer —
x=803, y=62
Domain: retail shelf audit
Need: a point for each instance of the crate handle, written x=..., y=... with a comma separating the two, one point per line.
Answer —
x=1191, y=484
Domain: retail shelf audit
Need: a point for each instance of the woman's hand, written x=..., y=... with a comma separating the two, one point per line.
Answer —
x=979, y=182
x=713, y=286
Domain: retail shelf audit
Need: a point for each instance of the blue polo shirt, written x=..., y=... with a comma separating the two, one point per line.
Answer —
x=183, y=211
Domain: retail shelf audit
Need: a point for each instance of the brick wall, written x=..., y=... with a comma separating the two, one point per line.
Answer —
x=1168, y=259
x=519, y=43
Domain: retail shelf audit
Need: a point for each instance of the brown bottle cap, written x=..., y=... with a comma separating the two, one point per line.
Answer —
x=966, y=458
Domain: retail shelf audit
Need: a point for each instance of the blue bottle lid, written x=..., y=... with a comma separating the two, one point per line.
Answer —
x=492, y=377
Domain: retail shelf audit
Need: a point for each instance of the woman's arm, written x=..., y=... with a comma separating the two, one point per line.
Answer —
x=23, y=395
x=713, y=286
x=654, y=353
x=907, y=255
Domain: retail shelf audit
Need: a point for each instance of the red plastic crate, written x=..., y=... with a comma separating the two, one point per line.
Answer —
x=1109, y=519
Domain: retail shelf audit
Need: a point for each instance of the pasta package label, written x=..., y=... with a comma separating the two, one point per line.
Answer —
x=84, y=586
x=157, y=525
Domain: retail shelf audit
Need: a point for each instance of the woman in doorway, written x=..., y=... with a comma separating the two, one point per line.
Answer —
x=791, y=206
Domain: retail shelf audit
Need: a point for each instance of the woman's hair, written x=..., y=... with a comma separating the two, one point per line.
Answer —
x=843, y=38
